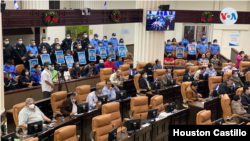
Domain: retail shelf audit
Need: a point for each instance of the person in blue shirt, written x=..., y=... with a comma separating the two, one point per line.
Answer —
x=95, y=40
x=99, y=66
x=203, y=37
x=97, y=51
x=118, y=63
x=162, y=21
x=168, y=48
x=202, y=48
x=191, y=56
x=157, y=65
x=210, y=70
x=110, y=90
x=185, y=40
x=10, y=69
x=114, y=40
x=32, y=47
x=36, y=76
x=214, y=49
x=105, y=42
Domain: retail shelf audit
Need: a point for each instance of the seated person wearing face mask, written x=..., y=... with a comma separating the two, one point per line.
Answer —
x=88, y=70
x=75, y=72
x=10, y=69
x=187, y=73
x=237, y=80
x=169, y=60
x=192, y=93
x=165, y=77
x=25, y=79
x=245, y=97
x=99, y=66
x=110, y=90
x=116, y=78
x=210, y=70
x=31, y=113
x=118, y=63
x=144, y=83
x=69, y=105
x=236, y=106
x=109, y=63
x=92, y=98
x=9, y=82
x=203, y=60
x=198, y=72
x=229, y=68
x=168, y=48
x=223, y=86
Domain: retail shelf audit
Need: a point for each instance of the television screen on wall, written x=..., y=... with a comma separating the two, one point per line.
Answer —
x=160, y=20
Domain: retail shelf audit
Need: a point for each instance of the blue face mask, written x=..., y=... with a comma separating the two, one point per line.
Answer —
x=73, y=100
x=34, y=44
x=68, y=54
x=204, y=36
x=248, y=92
x=229, y=66
x=49, y=67
x=58, y=42
x=114, y=37
x=7, y=42
x=79, y=47
x=169, y=74
x=169, y=43
x=44, y=42
x=68, y=37
x=58, y=47
x=8, y=66
x=31, y=55
x=20, y=42
x=110, y=60
x=121, y=44
x=99, y=95
x=100, y=44
x=40, y=69
x=104, y=39
x=189, y=74
x=52, y=68
x=146, y=76
x=44, y=52
x=77, y=66
x=236, y=75
x=26, y=73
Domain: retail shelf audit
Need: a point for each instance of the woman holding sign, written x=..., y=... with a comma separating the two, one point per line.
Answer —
x=26, y=62
x=191, y=50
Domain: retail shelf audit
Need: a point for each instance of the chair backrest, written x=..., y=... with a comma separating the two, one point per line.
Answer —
x=66, y=133
x=19, y=69
x=176, y=61
x=16, y=109
x=213, y=81
x=226, y=76
x=124, y=70
x=194, y=62
x=247, y=77
x=127, y=57
x=226, y=64
x=83, y=92
x=140, y=66
x=105, y=73
x=101, y=84
x=17, y=79
x=136, y=81
x=239, y=91
x=193, y=68
x=157, y=102
x=225, y=105
x=140, y=107
x=113, y=108
x=158, y=73
x=152, y=63
x=204, y=117
x=243, y=65
x=102, y=125
x=57, y=99
x=70, y=70
x=178, y=75
x=184, y=87
x=248, y=123
x=32, y=139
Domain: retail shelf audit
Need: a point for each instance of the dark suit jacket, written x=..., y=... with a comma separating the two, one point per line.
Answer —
x=223, y=87
x=143, y=84
x=85, y=71
x=66, y=108
x=74, y=72
x=245, y=99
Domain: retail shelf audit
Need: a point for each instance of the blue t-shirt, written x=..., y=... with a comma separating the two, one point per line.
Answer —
x=118, y=64
x=94, y=42
x=185, y=41
x=105, y=43
x=36, y=77
x=98, y=67
x=203, y=37
x=97, y=50
x=168, y=48
x=114, y=41
x=214, y=48
x=11, y=68
x=203, y=48
x=32, y=48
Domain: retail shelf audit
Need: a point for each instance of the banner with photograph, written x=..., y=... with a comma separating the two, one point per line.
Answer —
x=92, y=55
x=179, y=52
x=112, y=52
x=103, y=52
x=33, y=62
x=192, y=49
x=60, y=57
x=69, y=61
x=122, y=51
x=81, y=58
x=45, y=58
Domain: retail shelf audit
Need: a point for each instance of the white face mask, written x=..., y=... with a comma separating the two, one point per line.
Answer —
x=32, y=106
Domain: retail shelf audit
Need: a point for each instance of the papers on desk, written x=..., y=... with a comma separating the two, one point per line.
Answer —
x=77, y=114
x=163, y=115
x=145, y=125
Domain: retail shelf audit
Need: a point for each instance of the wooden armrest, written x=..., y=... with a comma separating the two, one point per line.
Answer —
x=143, y=89
x=165, y=104
x=213, y=122
x=149, y=107
x=126, y=119
x=245, y=106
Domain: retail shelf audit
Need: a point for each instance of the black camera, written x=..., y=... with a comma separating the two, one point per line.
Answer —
x=61, y=68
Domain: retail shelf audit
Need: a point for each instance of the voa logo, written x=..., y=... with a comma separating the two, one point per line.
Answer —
x=228, y=16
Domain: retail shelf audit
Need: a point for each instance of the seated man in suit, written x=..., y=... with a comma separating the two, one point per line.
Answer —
x=236, y=106
x=165, y=77
x=223, y=86
x=116, y=78
x=144, y=83
x=31, y=113
x=92, y=98
x=245, y=98
x=237, y=80
x=192, y=93
x=110, y=90
x=69, y=105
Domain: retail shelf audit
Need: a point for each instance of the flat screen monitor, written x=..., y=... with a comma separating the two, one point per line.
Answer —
x=152, y=113
x=171, y=82
x=121, y=94
x=202, y=77
x=155, y=85
x=215, y=93
x=188, y=78
x=170, y=107
x=9, y=137
x=220, y=73
x=219, y=121
x=230, y=89
x=160, y=20
x=103, y=99
x=248, y=109
x=247, y=83
x=133, y=125
x=35, y=127
x=83, y=108
x=113, y=135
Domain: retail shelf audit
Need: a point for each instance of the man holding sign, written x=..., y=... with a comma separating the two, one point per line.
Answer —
x=191, y=50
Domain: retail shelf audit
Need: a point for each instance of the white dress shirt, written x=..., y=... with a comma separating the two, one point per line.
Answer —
x=74, y=107
x=46, y=76
x=92, y=99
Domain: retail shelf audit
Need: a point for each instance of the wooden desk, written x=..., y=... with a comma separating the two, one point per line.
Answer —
x=128, y=86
